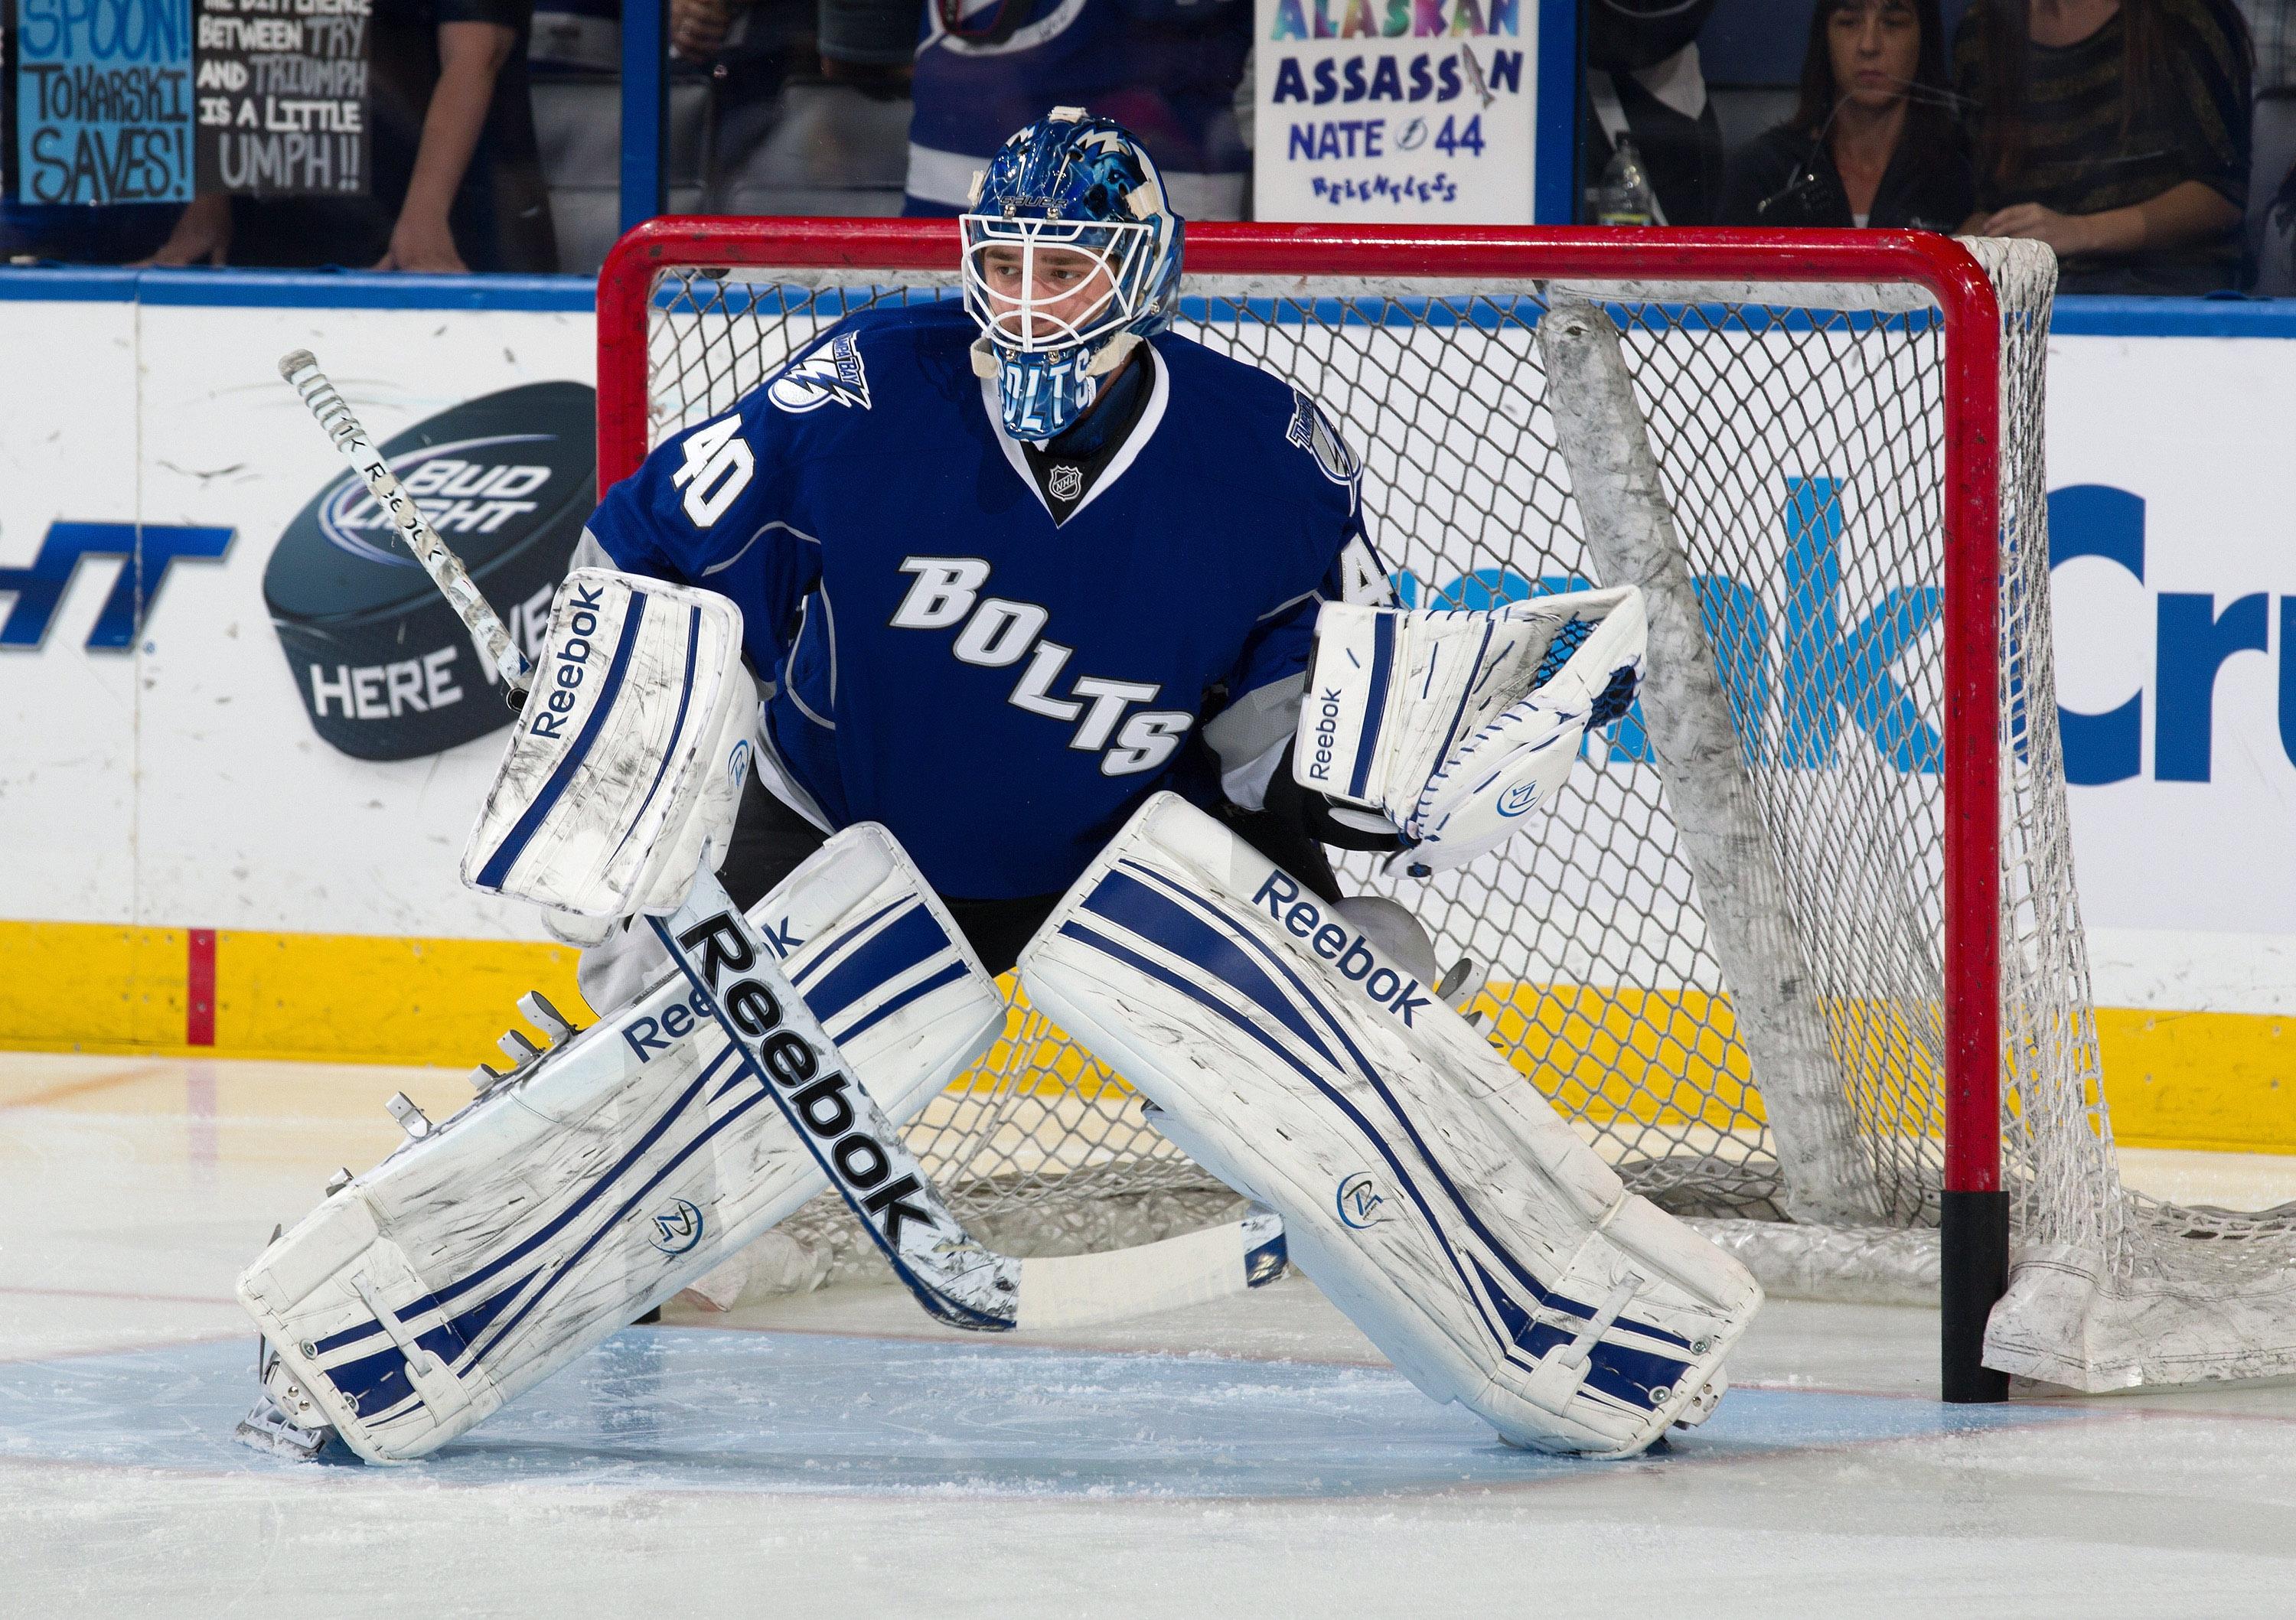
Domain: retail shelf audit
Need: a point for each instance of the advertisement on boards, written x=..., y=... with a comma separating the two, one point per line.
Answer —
x=237, y=701
x=2175, y=594
x=384, y=668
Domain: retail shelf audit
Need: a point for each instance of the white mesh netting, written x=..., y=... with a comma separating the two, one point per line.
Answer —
x=1801, y=434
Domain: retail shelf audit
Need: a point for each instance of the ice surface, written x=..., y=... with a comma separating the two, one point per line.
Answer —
x=687, y=1409
x=839, y=1454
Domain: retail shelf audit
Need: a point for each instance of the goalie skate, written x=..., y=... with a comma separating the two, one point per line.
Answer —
x=284, y=1419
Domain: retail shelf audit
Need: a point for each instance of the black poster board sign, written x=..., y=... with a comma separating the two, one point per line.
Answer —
x=283, y=97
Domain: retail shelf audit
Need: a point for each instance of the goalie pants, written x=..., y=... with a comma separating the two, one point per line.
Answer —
x=771, y=841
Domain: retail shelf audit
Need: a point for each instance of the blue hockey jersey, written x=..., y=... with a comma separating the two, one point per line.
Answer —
x=1000, y=689
x=1166, y=69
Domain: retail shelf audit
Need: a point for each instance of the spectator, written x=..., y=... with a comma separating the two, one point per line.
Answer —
x=2275, y=271
x=1871, y=141
x=809, y=104
x=867, y=40
x=2116, y=132
x=576, y=37
x=1643, y=79
x=457, y=170
x=1166, y=69
x=777, y=32
x=2272, y=29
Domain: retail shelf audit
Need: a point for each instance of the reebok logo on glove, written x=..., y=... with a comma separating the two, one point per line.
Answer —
x=1327, y=738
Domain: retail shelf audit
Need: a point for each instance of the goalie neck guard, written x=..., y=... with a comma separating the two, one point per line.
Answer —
x=1071, y=256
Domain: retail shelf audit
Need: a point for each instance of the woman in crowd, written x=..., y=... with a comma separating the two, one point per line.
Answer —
x=1873, y=140
x=2114, y=130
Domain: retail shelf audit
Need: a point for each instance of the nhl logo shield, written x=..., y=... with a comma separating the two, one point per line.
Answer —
x=1066, y=483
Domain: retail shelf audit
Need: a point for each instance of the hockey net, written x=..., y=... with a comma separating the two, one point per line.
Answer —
x=1801, y=429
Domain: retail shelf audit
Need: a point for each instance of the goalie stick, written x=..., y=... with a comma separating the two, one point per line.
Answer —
x=300, y=368
x=954, y=1275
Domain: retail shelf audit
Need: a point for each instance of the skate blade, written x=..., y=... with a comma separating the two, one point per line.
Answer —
x=268, y=1429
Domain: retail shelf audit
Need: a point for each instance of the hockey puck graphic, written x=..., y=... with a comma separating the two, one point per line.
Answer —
x=385, y=669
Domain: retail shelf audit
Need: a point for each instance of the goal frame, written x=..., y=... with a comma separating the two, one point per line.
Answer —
x=1974, y=1214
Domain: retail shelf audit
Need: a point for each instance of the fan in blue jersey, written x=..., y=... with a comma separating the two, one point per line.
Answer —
x=1167, y=69
x=1013, y=565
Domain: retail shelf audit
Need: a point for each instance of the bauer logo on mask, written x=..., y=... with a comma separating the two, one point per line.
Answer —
x=385, y=669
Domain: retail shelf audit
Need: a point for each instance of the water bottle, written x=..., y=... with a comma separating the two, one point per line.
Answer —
x=1624, y=197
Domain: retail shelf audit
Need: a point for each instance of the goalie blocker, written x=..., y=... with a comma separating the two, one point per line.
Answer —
x=1427, y=1186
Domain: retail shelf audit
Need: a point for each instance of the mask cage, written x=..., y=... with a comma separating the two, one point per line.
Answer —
x=1123, y=252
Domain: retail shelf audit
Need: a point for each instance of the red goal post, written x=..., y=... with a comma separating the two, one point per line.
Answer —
x=1974, y=1208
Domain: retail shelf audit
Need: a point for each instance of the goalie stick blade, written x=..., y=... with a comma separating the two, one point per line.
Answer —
x=1266, y=1256
x=1194, y=1268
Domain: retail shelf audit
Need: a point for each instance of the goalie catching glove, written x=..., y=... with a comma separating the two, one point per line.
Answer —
x=1456, y=726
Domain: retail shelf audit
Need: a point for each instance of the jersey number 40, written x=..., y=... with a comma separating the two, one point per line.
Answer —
x=718, y=467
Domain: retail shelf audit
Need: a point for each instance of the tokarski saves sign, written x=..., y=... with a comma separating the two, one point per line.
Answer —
x=1405, y=109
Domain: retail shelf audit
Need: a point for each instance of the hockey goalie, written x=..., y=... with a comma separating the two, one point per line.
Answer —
x=1019, y=632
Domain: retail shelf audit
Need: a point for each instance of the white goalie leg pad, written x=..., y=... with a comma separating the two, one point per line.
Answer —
x=627, y=761
x=1458, y=726
x=598, y=1180
x=1424, y=1185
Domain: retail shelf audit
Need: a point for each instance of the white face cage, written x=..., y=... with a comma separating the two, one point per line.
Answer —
x=1024, y=314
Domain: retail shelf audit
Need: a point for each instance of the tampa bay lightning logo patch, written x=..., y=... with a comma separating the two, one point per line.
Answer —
x=1313, y=432
x=676, y=1228
x=831, y=373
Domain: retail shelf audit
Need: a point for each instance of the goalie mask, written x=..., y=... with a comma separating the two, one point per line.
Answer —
x=1071, y=257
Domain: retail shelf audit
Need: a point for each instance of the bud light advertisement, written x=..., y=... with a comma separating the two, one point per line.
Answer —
x=384, y=668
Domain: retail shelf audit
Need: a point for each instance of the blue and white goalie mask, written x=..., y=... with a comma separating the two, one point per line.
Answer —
x=1071, y=257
